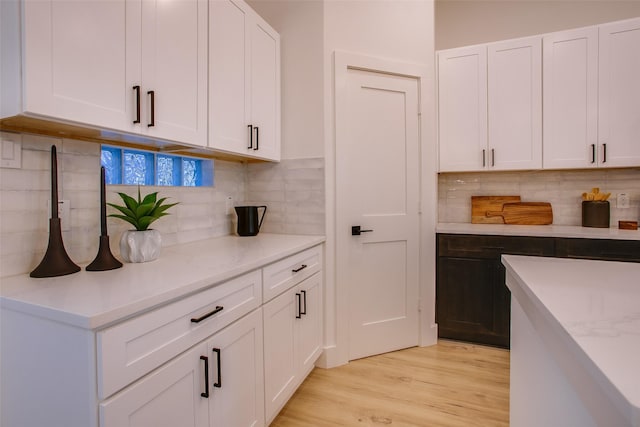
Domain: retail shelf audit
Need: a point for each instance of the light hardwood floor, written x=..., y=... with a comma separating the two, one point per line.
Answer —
x=450, y=384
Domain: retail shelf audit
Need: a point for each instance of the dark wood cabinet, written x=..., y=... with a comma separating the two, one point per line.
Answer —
x=602, y=249
x=472, y=301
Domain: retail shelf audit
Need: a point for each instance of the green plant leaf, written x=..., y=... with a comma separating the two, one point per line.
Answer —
x=129, y=201
x=145, y=221
x=160, y=209
x=150, y=198
x=144, y=210
x=126, y=211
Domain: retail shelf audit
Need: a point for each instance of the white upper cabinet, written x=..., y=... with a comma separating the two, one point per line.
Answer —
x=592, y=97
x=570, y=93
x=126, y=65
x=619, y=94
x=244, y=75
x=515, y=104
x=77, y=62
x=462, y=108
x=174, y=70
x=489, y=106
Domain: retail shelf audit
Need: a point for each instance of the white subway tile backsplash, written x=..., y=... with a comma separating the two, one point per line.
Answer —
x=563, y=189
x=293, y=190
x=24, y=215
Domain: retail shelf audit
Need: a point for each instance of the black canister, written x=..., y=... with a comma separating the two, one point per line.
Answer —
x=595, y=214
x=248, y=224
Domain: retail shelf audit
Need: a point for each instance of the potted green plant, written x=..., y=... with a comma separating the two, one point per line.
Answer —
x=142, y=244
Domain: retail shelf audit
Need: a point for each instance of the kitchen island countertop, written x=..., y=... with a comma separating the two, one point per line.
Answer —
x=568, y=231
x=588, y=315
x=93, y=300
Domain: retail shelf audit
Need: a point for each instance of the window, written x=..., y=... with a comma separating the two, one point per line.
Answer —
x=138, y=167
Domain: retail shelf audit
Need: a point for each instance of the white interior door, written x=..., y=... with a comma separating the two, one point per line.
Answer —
x=377, y=171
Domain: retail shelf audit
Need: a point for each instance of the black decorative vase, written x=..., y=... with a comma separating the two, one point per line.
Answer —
x=55, y=262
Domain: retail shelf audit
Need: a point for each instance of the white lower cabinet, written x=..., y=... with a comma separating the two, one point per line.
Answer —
x=216, y=383
x=236, y=374
x=170, y=396
x=217, y=357
x=292, y=341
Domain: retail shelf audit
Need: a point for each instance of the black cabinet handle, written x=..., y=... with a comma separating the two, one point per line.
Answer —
x=137, y=90
x=152, y=94
x=304, y=303
x=493, y=157
x=302, y=267
x=250, y=136
x=299, y=306
x=206, y=376
x=257, y=138
x=356, y=230
x=604, y=153
x=218, y=309
x=593, y=153
x=219, y=383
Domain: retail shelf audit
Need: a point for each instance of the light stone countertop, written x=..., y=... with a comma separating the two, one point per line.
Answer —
x=538, y=231
x=595, y=307
x=92, y=300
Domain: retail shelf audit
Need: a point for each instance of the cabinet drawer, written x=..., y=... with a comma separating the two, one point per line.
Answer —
x=135, y=347
x=601, y=249
x=281, y=275
x=491, y=247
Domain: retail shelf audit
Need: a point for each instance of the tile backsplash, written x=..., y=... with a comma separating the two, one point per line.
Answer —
x=563, y=189
x=293, y=190
x=289, y=188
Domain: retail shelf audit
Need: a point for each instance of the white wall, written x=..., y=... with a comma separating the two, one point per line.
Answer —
x=466, y=22
x=399, y=30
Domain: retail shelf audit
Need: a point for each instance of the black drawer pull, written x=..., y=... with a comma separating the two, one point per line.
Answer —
x=152, y=93
x=299, y=306
x=218, y=309
x=219, y=383
x=304, y=303
x=257, y=138
x=137, y=90
x=250, y=136
x=206, y=376
x=302, y=267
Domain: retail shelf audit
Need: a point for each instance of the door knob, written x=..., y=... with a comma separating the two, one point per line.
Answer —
x=356, y=230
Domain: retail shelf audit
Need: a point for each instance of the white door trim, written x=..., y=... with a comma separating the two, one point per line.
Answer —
x=336, y=299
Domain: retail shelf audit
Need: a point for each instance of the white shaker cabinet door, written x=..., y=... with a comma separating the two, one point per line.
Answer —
x=174, y=70
x=77, y=62
x=515, y=104
x=244, y=75
x=619, y=94
x=236, y=374
x=570, y=93
x=169, y=396
x=462, y=109
x=280, y=367
x=309, y=332
x=265, y=90
x=229, y=59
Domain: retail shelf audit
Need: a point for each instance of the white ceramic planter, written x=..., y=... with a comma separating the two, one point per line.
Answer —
x=140, y=246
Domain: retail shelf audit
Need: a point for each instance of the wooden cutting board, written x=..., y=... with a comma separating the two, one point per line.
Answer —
x=527, y=213
x=481, y=204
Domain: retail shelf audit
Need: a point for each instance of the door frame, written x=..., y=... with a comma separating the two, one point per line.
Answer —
x=336, y=296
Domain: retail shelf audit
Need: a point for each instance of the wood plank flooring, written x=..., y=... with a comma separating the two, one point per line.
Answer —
x=451, y=384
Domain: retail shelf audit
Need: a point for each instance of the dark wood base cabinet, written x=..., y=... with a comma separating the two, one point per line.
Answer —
x=472, y=300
